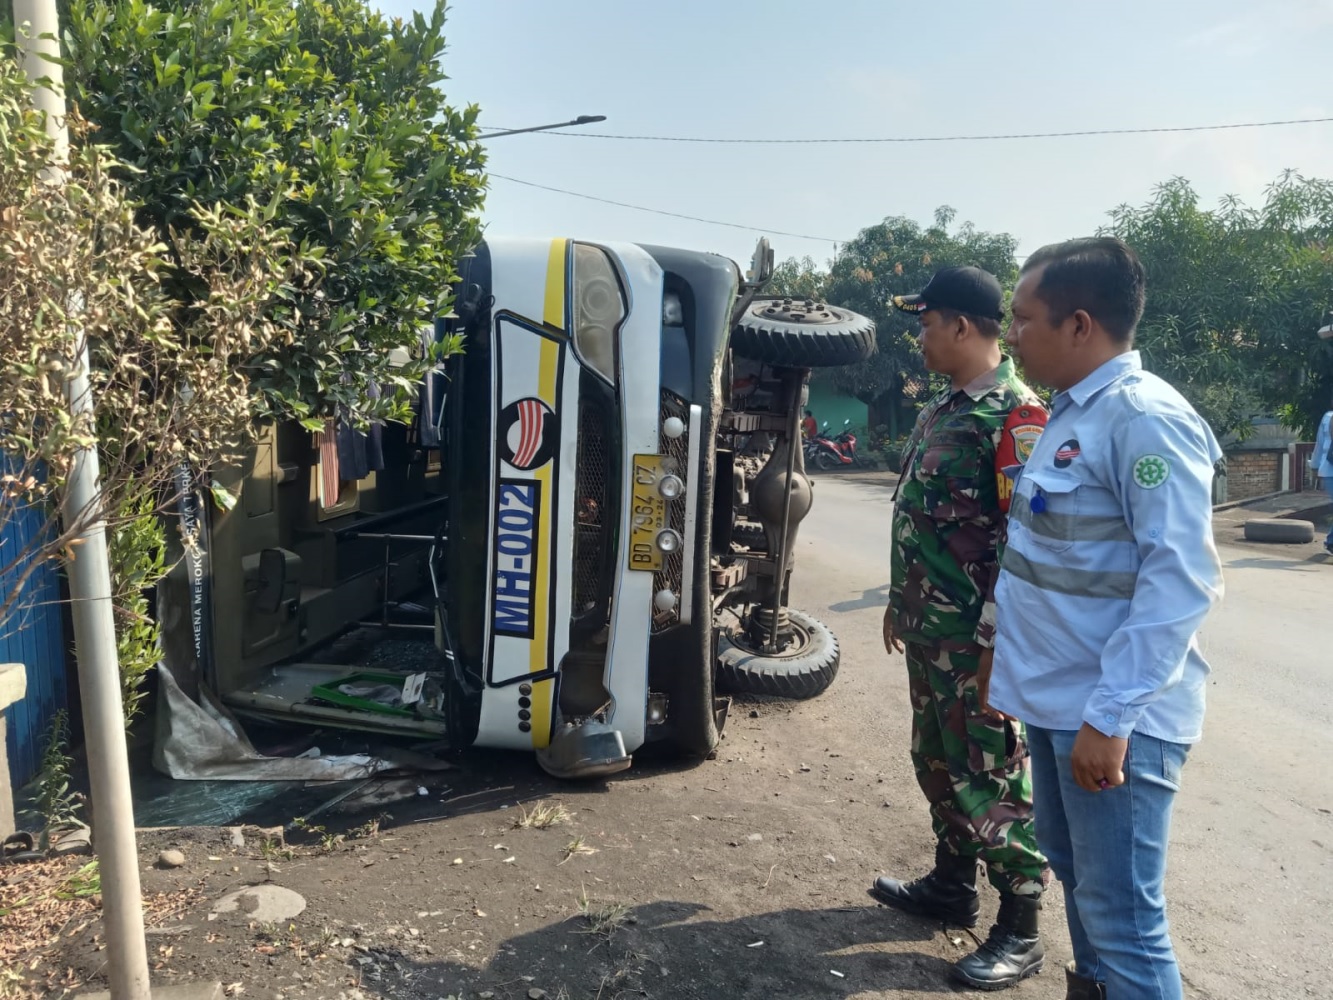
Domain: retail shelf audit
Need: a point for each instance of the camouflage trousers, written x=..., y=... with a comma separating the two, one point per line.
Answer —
x=974, y=770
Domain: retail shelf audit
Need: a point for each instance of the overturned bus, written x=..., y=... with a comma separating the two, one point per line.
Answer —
x=594, y=515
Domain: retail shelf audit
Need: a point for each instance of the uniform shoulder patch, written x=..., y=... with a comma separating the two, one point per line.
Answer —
x=1151, y=471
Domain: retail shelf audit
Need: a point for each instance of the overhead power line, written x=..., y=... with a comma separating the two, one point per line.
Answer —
x=938, y=138
x=678, y=215
x=659, y=211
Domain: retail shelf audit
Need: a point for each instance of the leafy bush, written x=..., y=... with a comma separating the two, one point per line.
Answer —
x=276, y=203
x=168, y=385
x=330, y=117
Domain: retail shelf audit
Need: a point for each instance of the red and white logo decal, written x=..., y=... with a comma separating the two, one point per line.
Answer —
x=529, y=433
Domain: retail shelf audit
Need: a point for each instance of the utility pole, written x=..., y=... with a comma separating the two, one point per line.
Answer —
x=89, y=576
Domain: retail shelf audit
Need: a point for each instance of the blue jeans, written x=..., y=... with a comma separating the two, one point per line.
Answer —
x=1108, y=849
x=1328, y=488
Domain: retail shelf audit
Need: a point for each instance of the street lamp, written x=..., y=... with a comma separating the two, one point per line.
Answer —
x=580, y=120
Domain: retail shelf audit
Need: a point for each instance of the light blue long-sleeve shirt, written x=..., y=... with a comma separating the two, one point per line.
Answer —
x=1110, y=566
x=1319, y=461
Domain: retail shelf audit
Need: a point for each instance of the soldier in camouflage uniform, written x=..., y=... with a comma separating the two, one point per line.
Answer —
x=948, y=526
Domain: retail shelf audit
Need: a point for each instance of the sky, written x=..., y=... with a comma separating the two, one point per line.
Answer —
x=751, y=69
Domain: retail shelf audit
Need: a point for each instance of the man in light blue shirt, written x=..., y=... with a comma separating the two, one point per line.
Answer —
x=1322, y=464
x=1109, y=571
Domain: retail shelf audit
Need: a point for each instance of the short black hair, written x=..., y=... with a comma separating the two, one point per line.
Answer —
x=987, y=326
x=1099, y=274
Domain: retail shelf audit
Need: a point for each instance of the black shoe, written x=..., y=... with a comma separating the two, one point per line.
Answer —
x=1078, y=988
x=932, y=896
x=948, y=893
x=1012, y=952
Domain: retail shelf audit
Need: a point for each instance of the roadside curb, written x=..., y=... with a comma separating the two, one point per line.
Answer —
x=1250, y=501
x=1298, y=508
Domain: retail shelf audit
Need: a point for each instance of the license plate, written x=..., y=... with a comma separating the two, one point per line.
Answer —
x=648, y=514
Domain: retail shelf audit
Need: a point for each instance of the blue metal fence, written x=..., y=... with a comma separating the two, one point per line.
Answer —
x=33, y=636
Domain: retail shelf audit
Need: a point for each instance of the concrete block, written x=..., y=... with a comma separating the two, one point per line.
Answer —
x=13, y=686
x=177, y=991
x=13, y=683
x=7, y=824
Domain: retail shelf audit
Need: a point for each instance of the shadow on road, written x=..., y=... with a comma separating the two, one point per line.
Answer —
x=876, y=597
x=671, y=949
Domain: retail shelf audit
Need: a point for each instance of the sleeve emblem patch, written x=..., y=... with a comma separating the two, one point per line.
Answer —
x=1151, y=471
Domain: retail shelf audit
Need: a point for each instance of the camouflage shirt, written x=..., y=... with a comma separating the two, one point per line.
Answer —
x=948, y=526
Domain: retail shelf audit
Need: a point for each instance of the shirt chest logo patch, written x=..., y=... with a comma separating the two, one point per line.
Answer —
x=1066, y=453
x=1151, y=471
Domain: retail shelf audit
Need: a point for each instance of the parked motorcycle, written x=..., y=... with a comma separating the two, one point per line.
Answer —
x=832, y=453
x=810, y=446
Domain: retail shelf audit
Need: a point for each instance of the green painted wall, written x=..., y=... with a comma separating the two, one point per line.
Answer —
x=827, y=404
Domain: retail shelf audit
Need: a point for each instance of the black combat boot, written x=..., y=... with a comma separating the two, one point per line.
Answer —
x=948, y=893
x=1012, y=952
x=1078, y=988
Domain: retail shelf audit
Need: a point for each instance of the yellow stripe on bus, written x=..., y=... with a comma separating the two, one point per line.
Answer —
x=556, y=266
x=543, y=693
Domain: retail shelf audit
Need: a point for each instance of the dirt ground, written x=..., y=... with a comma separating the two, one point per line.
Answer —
x=742, y=876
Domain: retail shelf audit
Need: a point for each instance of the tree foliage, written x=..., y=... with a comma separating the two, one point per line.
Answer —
x=895, y=257
x=798, y=279
x=335, y=122
x=1235, y=295
x=168, y=385
x=264, y=201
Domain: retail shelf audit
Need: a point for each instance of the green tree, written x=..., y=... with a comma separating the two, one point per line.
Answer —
x=898, y=257
x=1235, y=295
x=798, y=279
x=330, y=118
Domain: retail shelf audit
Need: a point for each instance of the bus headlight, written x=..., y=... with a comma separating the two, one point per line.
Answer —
x=599, y=309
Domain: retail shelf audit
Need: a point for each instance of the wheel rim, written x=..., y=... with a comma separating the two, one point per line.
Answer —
x=801, y=641
x=795, y=310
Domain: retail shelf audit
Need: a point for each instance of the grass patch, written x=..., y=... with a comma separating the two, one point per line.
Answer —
x=85, y=882
x=575, y=848
x=542, y=817
x=602, y=919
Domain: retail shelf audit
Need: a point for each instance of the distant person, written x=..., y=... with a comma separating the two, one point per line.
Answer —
x=1321, y=461
x=1108, y=573
x=809, y=429
x=948, y=524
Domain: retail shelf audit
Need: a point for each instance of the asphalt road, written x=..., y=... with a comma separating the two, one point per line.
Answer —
x=1252, y=850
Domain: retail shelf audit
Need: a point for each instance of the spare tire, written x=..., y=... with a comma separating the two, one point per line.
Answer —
x=806, y=668
x=802, y=333
x=1279, y=529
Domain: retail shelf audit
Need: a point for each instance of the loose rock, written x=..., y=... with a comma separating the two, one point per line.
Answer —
x=171, y=859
